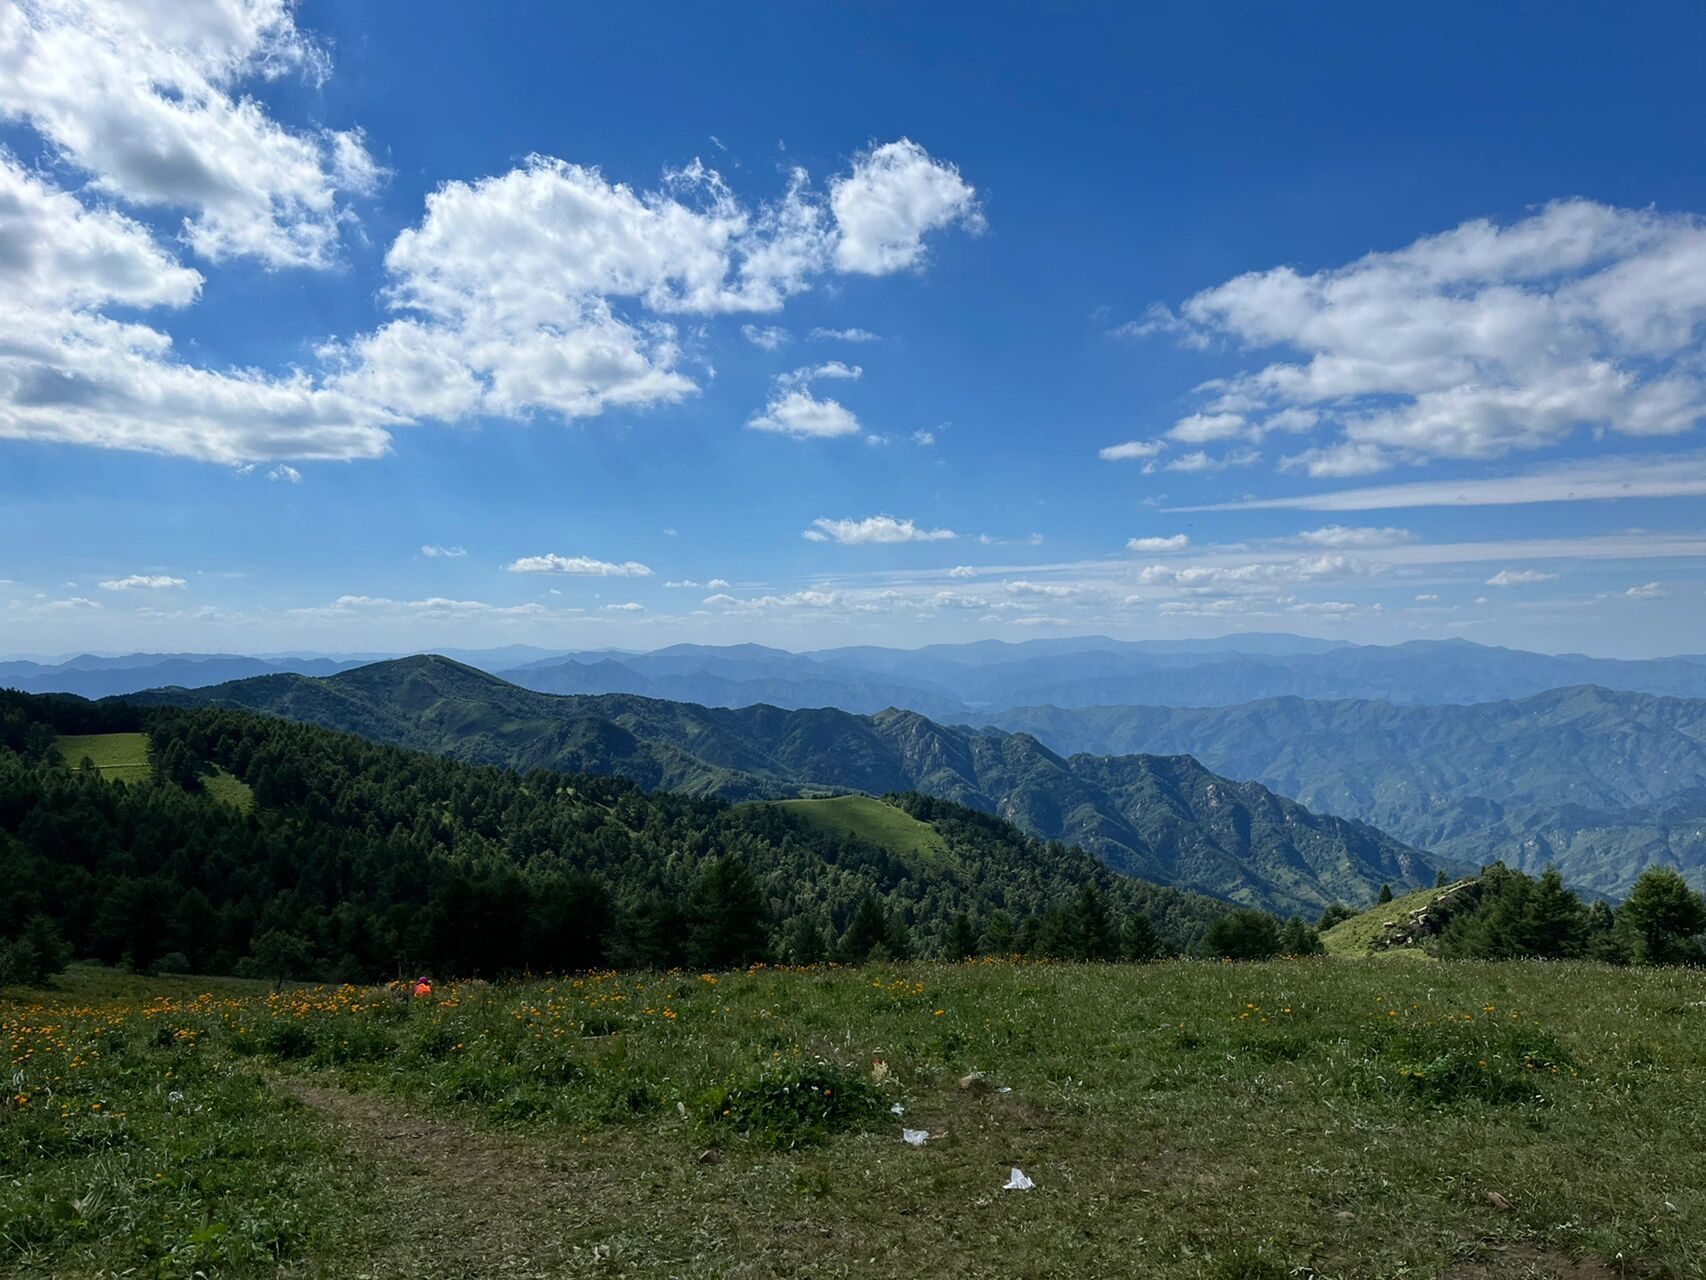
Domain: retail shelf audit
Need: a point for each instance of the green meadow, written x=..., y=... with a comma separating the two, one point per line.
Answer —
x=1314, y=1118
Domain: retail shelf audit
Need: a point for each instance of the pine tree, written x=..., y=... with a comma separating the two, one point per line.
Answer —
x=1097, y=940
x=1000, y=937
x=864, y=933
x=1243, y=935
x=1439, y=878
x=725, y=917
x=1663, y=918
x=1554, y=922
x=1385, y=894
x=1138, y=939
x=961, y=942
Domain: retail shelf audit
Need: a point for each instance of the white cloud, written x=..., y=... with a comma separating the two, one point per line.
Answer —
x=1049, y=590
x=1338, y=535
x=883, y=529
x=1175, y=542
x=1599, y=479
x=803, y=416
x=1201, y=461
x=834, y=370
x=923, y=439
x=684, y=583
x=1427, y=597
x=550, y=288
x=895, y=196
x=767, y=337
x=1476, y=342
x=1646, y=591
x=72, y=375
x=631, y=606
x=1348, y=458
x=813, y=600
x=143, y=582
x=1205, y=428
x=1131, y=449
x=844, y=335
x=1519, y=577
x=586, y=565
x=147, y=98
x=717, y=584
x=962, y=571
x=434, y=552
x=433, y=608
x=285, y=472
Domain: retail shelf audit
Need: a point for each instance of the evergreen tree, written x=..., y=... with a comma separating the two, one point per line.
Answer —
x=1138, y=939
x=1243, y=935
x=1663, y=919
x=864, y=933
x=1297, y=938
x=1439, y=878
x=1385, y=894
x=961, y=942
x=279, y=955
x=1097, y=939
x=1554, y=923
x=35, y=955
x=1333, y=913
x=803, y=940
x=725, y=917
x=1000, y=936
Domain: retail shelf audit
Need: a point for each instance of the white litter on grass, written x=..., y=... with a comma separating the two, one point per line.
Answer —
x=897, y=1109
x=1017, y=1181
x=1006, y=1088
x=914, y=1137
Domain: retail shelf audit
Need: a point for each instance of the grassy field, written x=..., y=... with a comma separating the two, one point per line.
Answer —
x=1355, y=937
x=1323, y=1118
x=870, y=819
x=117, y=755
x=124, y=756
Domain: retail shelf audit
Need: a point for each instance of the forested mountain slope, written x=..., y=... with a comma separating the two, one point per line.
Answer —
x=1600, y=782
x=368, y=857
x=1166, y=820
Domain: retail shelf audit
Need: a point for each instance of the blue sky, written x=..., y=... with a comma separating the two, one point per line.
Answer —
x=353, y=328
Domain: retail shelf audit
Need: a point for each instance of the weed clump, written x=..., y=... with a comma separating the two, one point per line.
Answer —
x=793, y=1103
x=1469, y=1061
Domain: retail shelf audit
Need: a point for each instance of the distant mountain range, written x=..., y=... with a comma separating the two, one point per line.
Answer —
x=1164, y=819
x=968, y=681
x=1600, y=782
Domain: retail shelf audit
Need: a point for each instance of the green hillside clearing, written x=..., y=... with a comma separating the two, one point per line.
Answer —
x=119, y=756
x=870, y=819
x=1367, y=933
x=124, y=757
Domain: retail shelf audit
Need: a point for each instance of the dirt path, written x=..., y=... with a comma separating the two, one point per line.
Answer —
x=458, y=1204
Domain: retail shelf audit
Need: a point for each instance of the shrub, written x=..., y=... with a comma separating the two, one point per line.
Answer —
x=793, y=1103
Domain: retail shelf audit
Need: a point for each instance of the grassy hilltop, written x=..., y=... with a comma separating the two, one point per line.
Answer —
x=1204, y=1121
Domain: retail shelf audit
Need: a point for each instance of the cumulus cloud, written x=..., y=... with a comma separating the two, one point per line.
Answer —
x=1201, y=461
x=873, y=529
x=142, y=582
x=1174, y=542
x=804, y=416
x=1519, y=577
x=286, y=473
x=895, y=196
x=585, y=565
x=1131, y=449
x=146, y=96
x=962, y=571
x=631, y=606
x=1473, y=343
x=73, y=375
x=552, y=289
x=434, y=552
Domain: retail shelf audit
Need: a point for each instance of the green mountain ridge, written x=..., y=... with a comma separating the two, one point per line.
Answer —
x=1600, y=782
x=1169, y=821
